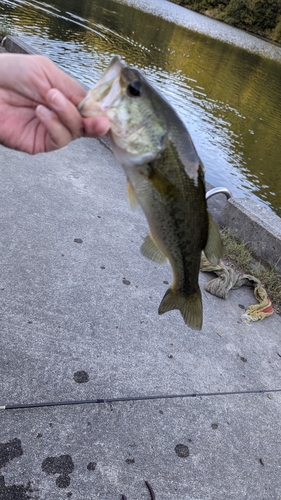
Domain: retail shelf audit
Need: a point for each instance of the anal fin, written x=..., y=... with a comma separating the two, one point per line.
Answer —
x=150, y=250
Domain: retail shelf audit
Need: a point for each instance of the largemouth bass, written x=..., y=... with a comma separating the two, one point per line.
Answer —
x=165, y=176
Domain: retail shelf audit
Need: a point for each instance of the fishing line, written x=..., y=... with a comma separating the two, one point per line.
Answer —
x=135, y=398
x=209, y=194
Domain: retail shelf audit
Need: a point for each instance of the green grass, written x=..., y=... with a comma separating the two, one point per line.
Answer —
x=5, y=27
x=242, y=259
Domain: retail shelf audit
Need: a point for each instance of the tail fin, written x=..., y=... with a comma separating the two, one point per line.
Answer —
x=190, y=306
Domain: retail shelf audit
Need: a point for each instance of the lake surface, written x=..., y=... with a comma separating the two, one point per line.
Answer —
x=228, y=97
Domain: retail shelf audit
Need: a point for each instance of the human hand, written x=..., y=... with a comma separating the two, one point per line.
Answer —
x=38, y=105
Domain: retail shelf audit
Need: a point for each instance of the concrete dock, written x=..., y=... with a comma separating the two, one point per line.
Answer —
x=79, y=322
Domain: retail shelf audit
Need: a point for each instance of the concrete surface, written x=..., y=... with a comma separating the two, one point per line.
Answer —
x=14, y=44
x=79, y=321
x=253, y=224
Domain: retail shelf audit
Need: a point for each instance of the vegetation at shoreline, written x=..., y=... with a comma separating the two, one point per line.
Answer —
x=261, y=17
x=241, y=259
x=5, y=27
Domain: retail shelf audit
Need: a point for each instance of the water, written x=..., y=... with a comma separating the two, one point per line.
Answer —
x=228, y=97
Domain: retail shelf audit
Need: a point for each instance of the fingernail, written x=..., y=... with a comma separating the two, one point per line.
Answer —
x=43, y=112
x=56, y=99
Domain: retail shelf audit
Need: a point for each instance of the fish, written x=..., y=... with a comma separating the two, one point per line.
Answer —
x=165, y=176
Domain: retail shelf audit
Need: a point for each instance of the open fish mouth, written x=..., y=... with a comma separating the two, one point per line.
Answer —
x=105, y=92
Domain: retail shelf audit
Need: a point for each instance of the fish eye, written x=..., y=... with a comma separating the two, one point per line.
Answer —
x=134, y=89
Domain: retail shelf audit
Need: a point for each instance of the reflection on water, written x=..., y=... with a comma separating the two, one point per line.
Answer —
x=229, y=99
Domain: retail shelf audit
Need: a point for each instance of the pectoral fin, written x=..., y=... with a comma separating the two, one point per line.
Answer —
x=131, y=195
x=150, y=250
x=213, y=249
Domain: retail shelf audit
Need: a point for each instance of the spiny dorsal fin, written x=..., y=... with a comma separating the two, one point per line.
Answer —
x=213, y=249
x=150, y=250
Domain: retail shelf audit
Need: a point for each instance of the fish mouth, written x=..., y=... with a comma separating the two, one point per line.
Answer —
x=105, y=92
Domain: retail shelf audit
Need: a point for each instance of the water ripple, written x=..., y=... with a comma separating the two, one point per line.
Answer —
x=229, y=99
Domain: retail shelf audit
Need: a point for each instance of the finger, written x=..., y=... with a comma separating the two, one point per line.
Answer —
x=96, y=127
x=71, y=118
x=66, y=111
x=60, y=80
x=58, y=135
